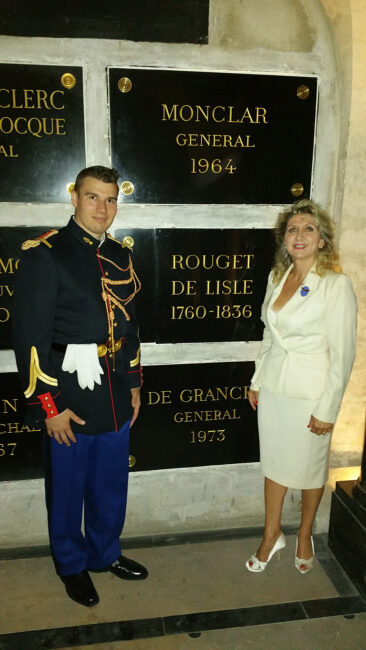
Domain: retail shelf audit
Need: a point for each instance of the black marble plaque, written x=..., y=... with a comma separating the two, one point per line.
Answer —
x=42, y=144
x=206, y=137
x=10, y=243
x=20, y=445
x=195, y=415
x=211, y=284
x=166, y=21
x=201, y=285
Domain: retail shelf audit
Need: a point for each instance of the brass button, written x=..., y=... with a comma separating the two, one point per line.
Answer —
x=128, y=242
x=131, y=461
x=106, y=273
x=52, y=412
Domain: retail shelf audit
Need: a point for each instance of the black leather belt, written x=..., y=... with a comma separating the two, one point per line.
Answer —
x=103, y=348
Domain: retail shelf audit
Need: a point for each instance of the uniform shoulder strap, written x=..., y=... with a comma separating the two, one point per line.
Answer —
x=127, y=242
x=41, y=239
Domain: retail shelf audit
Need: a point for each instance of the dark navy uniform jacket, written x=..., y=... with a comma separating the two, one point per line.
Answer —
x=68, y=289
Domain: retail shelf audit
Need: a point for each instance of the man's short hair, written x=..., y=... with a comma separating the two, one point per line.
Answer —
x=104, y=174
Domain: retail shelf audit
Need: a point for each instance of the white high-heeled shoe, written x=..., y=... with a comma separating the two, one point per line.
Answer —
x=256, y=566
x=304, y=566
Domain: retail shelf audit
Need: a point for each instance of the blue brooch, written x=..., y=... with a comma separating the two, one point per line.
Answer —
x=304, y=291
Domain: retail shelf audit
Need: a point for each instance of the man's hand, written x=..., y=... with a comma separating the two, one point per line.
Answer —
x=253, y=398
x=136, y=403
x=59, y=427
x=319, y=427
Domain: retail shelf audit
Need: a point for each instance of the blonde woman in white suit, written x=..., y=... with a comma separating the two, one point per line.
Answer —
x=302, y=371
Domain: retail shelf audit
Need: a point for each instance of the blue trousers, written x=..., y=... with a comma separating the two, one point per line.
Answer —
x=91, y=474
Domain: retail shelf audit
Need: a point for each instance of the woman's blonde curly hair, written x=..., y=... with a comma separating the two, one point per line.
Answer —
x=327, y=257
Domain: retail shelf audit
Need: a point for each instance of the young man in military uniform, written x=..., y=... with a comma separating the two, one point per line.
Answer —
x=78, y=354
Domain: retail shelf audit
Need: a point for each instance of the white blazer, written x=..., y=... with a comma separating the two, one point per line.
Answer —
x=308, y=346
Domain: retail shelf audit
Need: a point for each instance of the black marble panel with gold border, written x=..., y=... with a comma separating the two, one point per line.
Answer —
x=10, y=243
x=42, y=142
x=207, y=137
x=196, y=414
x=20, y=444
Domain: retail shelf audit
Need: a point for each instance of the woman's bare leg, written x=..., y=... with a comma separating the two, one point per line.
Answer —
x=310, y=504
x=274, y=495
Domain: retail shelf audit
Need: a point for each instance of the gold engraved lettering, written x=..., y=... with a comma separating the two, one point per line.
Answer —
x=15, y=427
x=215, y=108
x=31, y=99
x=211, y=394
x=212, y=435
x=38, y=127
x=4, y=315
x=7, y=404
x=187, y=287
x=163, y=397
x=231, y=120
x=205, y=416
x=8, y=153
x=52, y=99
x=7, y=448
x=226, y=287
x=28, y=98
x=169, y=115
x=261, y=112
x=207, y=262
x=198, y=113
x=213, y=140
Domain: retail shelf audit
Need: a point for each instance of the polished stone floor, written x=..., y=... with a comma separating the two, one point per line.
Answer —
x=198, y=597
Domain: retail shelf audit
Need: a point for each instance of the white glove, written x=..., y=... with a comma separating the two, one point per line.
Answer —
x=83, y=358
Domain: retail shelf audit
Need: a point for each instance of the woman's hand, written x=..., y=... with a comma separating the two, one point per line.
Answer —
x=253, y=398
x=319, y=427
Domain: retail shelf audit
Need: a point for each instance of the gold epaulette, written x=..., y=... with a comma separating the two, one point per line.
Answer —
x=32, y=243
x=127, y=242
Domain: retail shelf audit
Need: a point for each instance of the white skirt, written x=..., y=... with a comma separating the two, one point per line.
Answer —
x=290, y=453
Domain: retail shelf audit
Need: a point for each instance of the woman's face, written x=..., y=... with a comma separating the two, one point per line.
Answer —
x=302, y=238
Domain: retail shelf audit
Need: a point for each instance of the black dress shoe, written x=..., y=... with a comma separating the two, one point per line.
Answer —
x=128, y=569
x=80, y=588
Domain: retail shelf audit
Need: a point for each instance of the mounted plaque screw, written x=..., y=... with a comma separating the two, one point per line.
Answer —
x=131, y=461
x=68, y=80
x=297, y=189
x=303, y=92
x=127, y=188
x=125, y=85
x=70, y=187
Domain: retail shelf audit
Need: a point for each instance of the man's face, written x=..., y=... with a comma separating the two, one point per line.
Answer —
x=95, y=205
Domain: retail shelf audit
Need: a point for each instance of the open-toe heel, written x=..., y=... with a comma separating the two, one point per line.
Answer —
x=256, y=566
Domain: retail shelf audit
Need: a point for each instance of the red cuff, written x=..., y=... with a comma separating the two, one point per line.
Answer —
x=48, y=405
x=132, y=372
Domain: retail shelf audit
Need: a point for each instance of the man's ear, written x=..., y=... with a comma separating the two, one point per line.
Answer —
x=74, y=198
